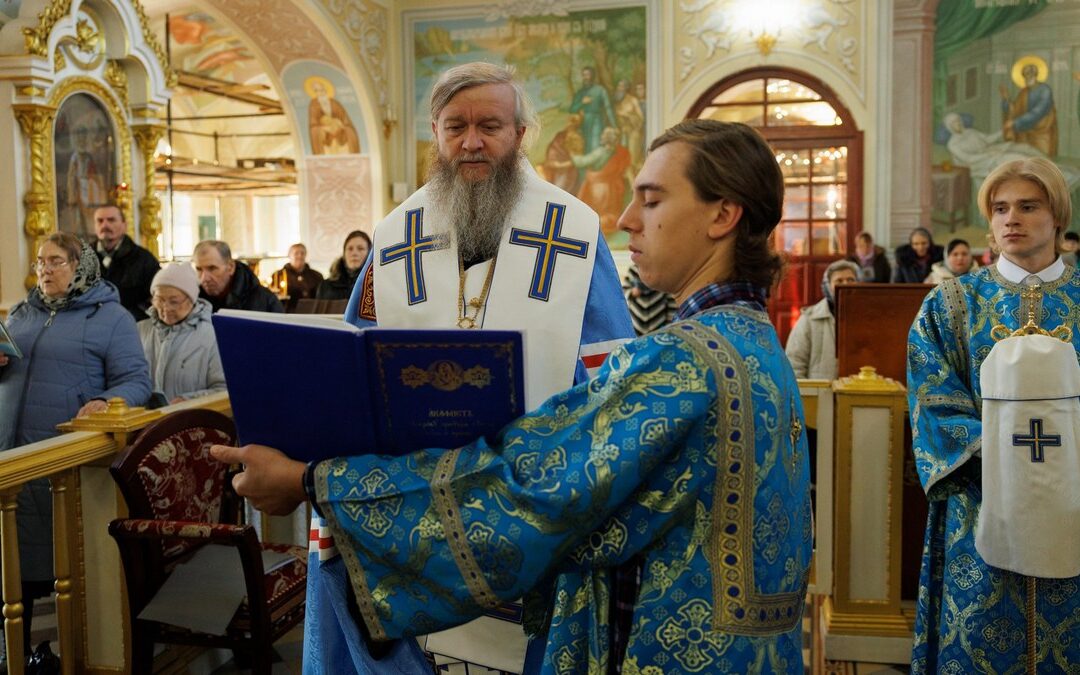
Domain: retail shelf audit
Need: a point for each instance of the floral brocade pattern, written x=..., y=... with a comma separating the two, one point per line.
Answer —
x=184, y=481
x=971, y=616
x=686, y=450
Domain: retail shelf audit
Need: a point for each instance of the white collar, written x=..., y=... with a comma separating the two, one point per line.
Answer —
x=1016, y=274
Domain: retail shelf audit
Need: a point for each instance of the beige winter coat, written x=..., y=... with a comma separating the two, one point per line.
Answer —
x=811, y=347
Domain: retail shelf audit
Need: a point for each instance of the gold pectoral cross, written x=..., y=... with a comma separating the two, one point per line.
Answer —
x=1030, y=306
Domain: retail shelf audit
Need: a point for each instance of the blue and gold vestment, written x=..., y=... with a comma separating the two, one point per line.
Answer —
x=971, y=616
x=687, y=450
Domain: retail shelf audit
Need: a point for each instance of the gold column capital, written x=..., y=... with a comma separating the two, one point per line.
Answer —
x=148, y=136
x=34, y=118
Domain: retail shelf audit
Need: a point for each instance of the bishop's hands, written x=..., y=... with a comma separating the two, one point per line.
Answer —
x=270, y=481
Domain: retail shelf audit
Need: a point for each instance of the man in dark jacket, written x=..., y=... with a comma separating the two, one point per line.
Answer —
x=228, y=284
x=127, y=265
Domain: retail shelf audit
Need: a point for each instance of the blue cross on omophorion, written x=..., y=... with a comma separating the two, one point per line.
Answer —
x=548, y=243
x=411, y=250
x=1036, y=440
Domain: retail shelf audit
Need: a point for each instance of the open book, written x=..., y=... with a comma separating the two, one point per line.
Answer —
x=7, y=343
x=317, y=388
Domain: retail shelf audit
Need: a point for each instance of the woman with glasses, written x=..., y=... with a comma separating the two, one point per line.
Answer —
x=178, y=338
x=80, y=348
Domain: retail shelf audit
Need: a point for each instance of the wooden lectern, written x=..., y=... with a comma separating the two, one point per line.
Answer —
x=880, y=509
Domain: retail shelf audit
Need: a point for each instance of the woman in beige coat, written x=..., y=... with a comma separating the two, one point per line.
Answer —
x=811, y=347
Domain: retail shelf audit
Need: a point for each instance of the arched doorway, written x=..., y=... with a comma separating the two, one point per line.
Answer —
x=819, y=150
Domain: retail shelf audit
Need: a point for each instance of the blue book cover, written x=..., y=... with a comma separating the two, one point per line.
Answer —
x=317, y=388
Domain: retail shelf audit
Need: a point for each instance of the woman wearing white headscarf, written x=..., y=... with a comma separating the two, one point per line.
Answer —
x=178, y=338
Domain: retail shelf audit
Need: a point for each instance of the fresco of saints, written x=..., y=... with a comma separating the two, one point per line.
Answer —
x=594, y=104
x=558, y=166
x=1030, y=117
x=607, y=170
x=631, y=120
x=332, y=132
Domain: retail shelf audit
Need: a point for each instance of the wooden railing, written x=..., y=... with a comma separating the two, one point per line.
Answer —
x=90, y=607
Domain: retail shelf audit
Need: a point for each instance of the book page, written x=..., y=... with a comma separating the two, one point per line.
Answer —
x=309, y=320
x=202, y=594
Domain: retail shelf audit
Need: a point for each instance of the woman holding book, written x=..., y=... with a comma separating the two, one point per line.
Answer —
x=345, y=270
x=82, y=347
x=178, y=338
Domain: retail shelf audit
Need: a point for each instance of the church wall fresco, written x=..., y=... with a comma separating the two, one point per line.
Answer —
x=336, y=189
x=203, y=45
x=281, y=28
x=326, y=107
x=1007, y=90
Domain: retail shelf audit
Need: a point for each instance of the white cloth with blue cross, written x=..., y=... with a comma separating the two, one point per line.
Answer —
x=1030, y=518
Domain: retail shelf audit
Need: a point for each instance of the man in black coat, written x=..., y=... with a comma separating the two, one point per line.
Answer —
x=228, y=284
x=127, y=265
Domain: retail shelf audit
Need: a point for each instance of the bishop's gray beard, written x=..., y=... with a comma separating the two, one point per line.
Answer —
x=478, y=210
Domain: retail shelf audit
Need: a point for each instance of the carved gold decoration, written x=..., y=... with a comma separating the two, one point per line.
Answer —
x=59, y=60
x=87, y=38
x=446, y=375
x=867, y=382
x=36, y=124
x=62, y=512
x=765, y=43
x=108, y=98
x=148, y=136
x=117, y=78
x=118, y=417
x=12, y=583
x=171, y=77
x=87, y=46
x=37, y=39
x=29, y=90
x=80, y=610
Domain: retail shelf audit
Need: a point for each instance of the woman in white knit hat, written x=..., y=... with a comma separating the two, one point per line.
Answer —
x=178, y=338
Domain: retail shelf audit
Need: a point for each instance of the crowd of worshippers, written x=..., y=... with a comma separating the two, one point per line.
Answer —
x=811, y=345
x=625, y=505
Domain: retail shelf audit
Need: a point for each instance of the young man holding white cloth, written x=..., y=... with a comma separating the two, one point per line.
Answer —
x=992, y=382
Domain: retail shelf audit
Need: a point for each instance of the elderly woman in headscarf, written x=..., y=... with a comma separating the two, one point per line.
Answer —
x=82, y=348
x=178, y=338
x=811, y=347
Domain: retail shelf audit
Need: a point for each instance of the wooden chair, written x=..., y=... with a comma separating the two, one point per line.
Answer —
x=178, y=500
x=306, y=306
